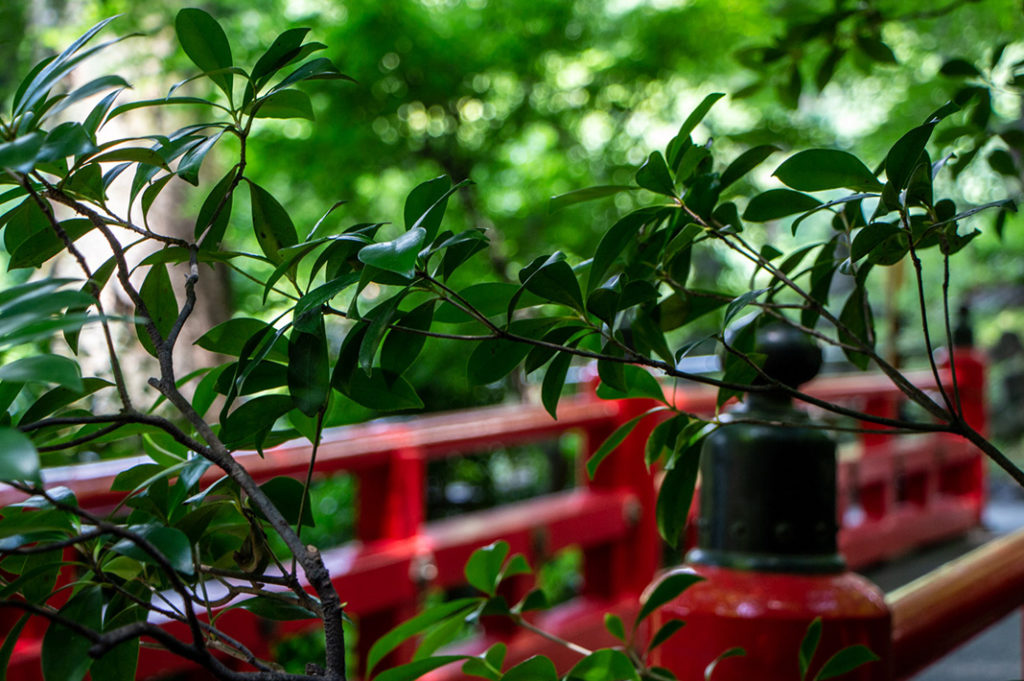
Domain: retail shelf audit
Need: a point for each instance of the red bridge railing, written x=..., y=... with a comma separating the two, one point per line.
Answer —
x=895, y=494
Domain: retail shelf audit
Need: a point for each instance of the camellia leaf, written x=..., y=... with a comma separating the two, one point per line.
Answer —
x=536, y=668
x=778, y=203
x=419, y=205
x=19, y=459
x=309, y=371
x=588, y=194
x=613, y=441
x=281, y=52
x=65, y=653
x=270, y=221
x=287, y=494
x=256, y=416
x=709, y=671
x=698, y=114
x=213, y=216
x=284, y=104
x=416, y=669
x=604, y=665
x=483, y=569
x=673, y=506
x=43, y=369
x=654, y=175
x=406, y=630
x=665, y=632
x=668, y=587
x=554, y=381
x=744, y=163
x=398, y=255
x=20, y=153
x=161, y=305
x=845, y=660
x=819, y=169
x=809, y=646
x=904, y=157
x=206, y=45
x=171, y=543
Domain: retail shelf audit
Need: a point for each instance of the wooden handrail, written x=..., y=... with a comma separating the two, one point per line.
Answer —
x=934, y=614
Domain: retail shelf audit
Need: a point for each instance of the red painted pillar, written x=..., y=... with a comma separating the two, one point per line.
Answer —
x=767, y=544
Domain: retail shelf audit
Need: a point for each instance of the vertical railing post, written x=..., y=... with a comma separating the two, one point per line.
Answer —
x=391, y=508
x=626, y=567
x=767, y=542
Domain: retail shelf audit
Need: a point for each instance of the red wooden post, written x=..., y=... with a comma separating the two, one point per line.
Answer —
x=627, y=567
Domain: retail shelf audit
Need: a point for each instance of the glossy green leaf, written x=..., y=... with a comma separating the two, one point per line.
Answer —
x=588, y=194
x=270, y=221
x=213, y=216
x=778, y=203
x=698, y=114
x=230, y=337
x=190, y=163
x=284, y=104
x=744, y=163
x=411, y=627
x=65, y=653
x=709, y=671
x=132, y=155
x=856, y=316
x=314, y=69
x=425, y=206
x=243, y=425
x=172, y=544
x=673, y=507
x=43, y=369
x=654, y=175
x=55, y=399
x=876, y=49
x=869, y=237
x=18, y=457
x=398, y=255
x=309, y=372
x=382, y=392
x=43, y=245
x=663, y=435
x=613, y=623
x=604, y=665
x=161, y=305
x=67, y=139
x=636, y=382
x=483, y=569
x=844, y=661
x=612, y=443
x=287, y=493
x=414, y=670
x=281, y=52
x=809, y=646
x=739, y=304
x=400, y=348
x=905, y=156
x=818, y=169
x=553, y=279
x=668, y=587
x=554, y=381
x=492, y=360
x=614, y=242
x=12, y=637
x=536, y=668
x=20, y=154
x=665, y=632
x=206, y=45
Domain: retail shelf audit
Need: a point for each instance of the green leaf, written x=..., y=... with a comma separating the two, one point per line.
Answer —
x=206, y=45
x=43, y=369
x=536, y=668
x=188, y=166
x=65, y=653
x=250, y=423
x=676, y=495
x=613, y=623
x=270, y=221
x=778, y=203
x=57, y=398
x=483, y=569
x=665, y=632
x=668, y=587
x=284, y=104
x=731, y=652
x=281, y=52
x=398, y=255
x=314, y=69
x=876, y=49
x=960, y=68
x=809, y=646
x=614, y=243
x=171, y=543
x=230, y=338
x=209, y=220
x=603, y=665
x=425, y=206
x=905, y=156
x=871, y=236
x=856, y=316
x=819, y=169
x=19, y=154
x=654, y=175
x=67, y=139
x=287, y=494
x=744, y=163
x=161, y=304
x=400, y=348
x=414, y=670
x=382, y=392
x=406, y=630
x=132, y=155
x=553, y=279
x=612, y=442
x=492, y=360
x=554, y=381
x=844, y=661
x=309, y=372
x=45, y=244
x=739, y=303
x=698, y=114
x=637, y=382
x=13, y=636
x=19, y=459
x=588, y=194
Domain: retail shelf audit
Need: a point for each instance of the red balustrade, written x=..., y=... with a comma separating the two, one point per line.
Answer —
x=896, y=494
